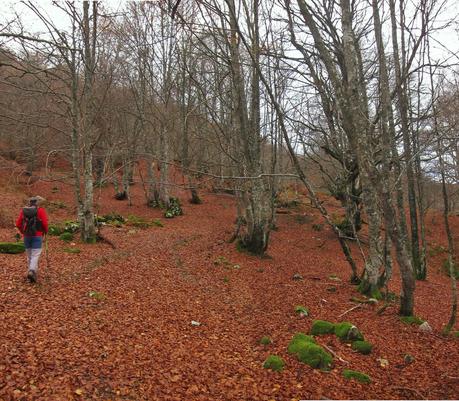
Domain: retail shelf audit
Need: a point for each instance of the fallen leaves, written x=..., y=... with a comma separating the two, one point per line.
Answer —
x=59, y=342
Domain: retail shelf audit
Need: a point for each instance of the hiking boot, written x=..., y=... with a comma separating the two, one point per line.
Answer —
x=32, y=276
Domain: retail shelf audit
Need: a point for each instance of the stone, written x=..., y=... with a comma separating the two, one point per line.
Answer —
x=425, y=328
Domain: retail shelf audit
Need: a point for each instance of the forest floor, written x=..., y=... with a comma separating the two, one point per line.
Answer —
x=115, y=323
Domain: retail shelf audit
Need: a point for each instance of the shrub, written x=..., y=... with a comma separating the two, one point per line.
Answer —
x=412, y=320
x=275, y=363
x=12, y=247
x=71, y=226
x=346, y=228
x=437, y=250
x=348, y=332
x=265, y=340
x=137, y=221
x=55, y=230
x=175, y=209
x=320, y=327
x=317, y=227
x=362, y=346
x=353, y=374
x=66, y=236
x=445, y=269
x=315, y=356
x=111, y=218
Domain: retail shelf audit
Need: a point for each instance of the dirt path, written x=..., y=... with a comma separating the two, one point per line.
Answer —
x=133, y=338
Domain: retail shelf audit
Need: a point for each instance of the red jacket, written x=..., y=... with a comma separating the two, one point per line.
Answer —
x=41, y=215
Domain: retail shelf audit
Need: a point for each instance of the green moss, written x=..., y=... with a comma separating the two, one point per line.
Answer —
x=12, y=247
x=265, y=340
x=362, y=346
x=275, y=363
x=100, y=296
x=455, y=334
x=348, y=332
x=72, y=250
x=320, y=327
x=315, y=356
x=298, y=342
x=66, y=236
x=353, y=374
x=138, y=222
x=365, y=288
x=157, y=223
x=412, y=320
x=299, y=309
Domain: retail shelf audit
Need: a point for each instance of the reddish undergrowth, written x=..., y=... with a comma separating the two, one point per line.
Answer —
x=136, y=341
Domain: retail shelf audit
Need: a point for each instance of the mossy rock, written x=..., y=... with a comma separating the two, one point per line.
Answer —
x=320, y=327
x=346, y=331
x=363, y=347
x=412, y=320
x=275, y=363
x=298, y=342
x=365, y=288
x=66, y=236
x=12, y=247
x=265, y=340
x=301, y=310
x=315, y=356
x=353, y=374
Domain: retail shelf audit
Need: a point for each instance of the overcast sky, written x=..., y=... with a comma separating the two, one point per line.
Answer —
x=445, y=44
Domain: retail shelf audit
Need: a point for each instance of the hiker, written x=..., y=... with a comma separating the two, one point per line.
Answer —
x=33, y=224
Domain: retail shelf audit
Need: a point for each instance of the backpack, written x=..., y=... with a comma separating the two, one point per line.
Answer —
x=30, y=222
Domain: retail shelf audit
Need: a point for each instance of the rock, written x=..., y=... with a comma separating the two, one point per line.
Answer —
x=297, y=277
x=373, y=301
x=383, y=362
x=195, y=323
x=425, y=328
x=408, y=359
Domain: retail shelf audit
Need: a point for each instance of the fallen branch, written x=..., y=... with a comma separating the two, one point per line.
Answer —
x=334, y=354
x=414, y=391
x=350, y=310
x=362, y=301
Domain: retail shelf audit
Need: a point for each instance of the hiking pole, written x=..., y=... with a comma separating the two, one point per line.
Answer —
x=46, y=252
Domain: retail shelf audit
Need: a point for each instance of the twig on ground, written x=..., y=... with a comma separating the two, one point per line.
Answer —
x=414, y=391
x=334, y=354
x=350, y=310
